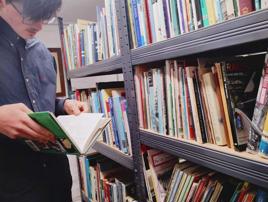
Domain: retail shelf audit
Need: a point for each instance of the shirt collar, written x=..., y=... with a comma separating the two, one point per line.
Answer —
x=9, y=33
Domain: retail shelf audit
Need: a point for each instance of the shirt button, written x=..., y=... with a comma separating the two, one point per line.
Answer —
x=44, y=165
x=27, y=80
x=11, y=44
x=21, y=59
x=34, y=101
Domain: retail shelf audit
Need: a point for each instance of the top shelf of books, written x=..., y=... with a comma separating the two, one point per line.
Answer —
x=244, y=29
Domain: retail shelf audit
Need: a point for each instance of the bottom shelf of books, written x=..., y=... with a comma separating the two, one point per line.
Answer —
x=114, y=154
x=242, y=165
x=171, y=179
x=102, y=180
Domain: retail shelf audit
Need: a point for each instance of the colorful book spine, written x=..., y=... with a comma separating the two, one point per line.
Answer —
x=257, y=4
x=260, y=111
x=204, y=13
x=136, y=22
x=245, y=6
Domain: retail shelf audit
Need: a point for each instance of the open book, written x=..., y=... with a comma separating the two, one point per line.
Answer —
x=74, y=134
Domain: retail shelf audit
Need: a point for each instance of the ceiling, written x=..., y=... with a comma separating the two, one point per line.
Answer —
x=83, y=9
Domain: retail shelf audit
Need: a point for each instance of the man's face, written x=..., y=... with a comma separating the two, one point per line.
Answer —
x=26, y=29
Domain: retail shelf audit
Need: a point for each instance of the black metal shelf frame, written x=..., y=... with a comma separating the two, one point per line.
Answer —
x=105, y=66
x=240, y=30
x=114, y=154
x=245, y=169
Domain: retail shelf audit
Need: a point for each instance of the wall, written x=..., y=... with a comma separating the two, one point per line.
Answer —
x=50, y=36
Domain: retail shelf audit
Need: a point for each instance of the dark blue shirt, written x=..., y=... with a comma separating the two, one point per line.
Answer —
x=28, y=75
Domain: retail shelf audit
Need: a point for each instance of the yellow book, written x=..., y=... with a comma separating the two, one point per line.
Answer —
x=217, y=119
x=211, y=11
x=230, y=141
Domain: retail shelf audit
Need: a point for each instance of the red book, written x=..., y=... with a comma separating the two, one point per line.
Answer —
x=245, y=6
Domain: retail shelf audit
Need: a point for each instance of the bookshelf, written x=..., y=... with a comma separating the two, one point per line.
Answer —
x=244, y=29
x=247, y=33
x=103, y=67
x=224, y=160
x=114, y=154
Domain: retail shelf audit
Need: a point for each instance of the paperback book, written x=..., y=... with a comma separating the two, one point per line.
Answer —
x=74, y=134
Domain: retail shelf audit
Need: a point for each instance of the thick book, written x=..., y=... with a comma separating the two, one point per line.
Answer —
x=74, y=134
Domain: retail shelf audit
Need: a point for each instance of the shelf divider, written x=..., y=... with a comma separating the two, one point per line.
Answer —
x=105, y=66
x=114, y=154
x=237, y=166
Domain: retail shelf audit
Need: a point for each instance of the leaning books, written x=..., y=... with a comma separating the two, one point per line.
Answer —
x=74, y=134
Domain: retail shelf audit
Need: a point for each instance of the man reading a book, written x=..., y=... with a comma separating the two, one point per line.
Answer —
x=28, y=83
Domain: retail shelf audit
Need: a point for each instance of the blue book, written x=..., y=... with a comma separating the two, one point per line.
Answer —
x=257, y=4
x=119, y=123
x=88, y=179
x=136, y=22
x=165, y=9
x=219, y=16
x=180, y=12
x=82, y=47
x=116, y=138
x=262, y=196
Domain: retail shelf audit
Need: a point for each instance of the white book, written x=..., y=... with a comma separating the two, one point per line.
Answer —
x=74, y=134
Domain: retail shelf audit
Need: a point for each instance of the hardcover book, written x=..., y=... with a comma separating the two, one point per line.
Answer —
x=74, y=134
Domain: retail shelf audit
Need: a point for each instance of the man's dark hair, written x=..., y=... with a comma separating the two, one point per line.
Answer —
x=36, y=10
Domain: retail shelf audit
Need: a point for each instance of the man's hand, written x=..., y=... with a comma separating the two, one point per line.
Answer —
x=75, y=107
x=15, y=123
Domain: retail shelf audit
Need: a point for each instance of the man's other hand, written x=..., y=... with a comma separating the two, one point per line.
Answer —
x=73, y=107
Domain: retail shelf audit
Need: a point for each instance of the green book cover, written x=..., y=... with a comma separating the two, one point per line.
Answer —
x=62, y=144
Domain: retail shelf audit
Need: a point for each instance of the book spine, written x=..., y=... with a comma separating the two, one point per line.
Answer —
x=264, y=4
x=260, y=111
x=230, y=106
x=116, y=136
x=136, y=22
x=180, y=16
x=257, y=5
x=119, y=124
x=167, y=17
x=245, y=6
x=204, y=13
x=201, y=113
x=174, y=17
x=198, y=13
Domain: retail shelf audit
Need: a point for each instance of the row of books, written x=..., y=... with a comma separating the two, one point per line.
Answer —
x=102, y=180
x=152, y=21
x=207, y=100
x=172, y=180
x=88, y=42
x=112, y=103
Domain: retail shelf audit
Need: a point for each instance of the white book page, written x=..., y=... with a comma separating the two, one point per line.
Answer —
x=80, y=128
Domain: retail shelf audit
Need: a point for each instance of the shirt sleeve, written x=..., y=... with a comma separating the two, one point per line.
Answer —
x=59, y=106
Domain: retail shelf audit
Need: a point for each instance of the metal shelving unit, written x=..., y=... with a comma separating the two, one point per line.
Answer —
x=227, y=163
x=244, y=29
x=238, y=32
x=114, y=154
x=106, y=66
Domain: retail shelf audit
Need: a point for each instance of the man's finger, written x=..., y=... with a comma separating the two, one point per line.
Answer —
x=39, y=130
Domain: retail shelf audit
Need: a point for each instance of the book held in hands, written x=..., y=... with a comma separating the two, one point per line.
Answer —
x=74, y=134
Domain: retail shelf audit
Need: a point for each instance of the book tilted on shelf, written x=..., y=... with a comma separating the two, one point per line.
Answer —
x=74, y=134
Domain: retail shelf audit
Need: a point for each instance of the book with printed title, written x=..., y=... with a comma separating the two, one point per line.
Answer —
x=74, y=134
